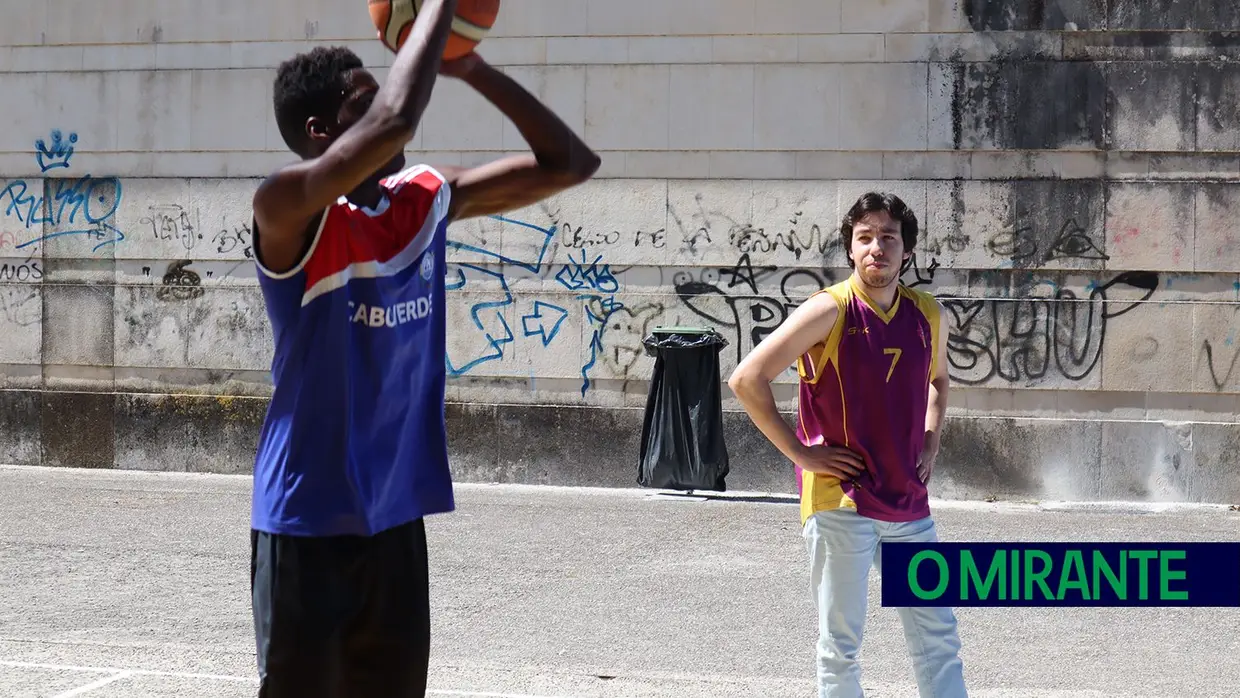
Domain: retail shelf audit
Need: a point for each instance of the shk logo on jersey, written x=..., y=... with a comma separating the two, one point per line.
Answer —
x=392, y=315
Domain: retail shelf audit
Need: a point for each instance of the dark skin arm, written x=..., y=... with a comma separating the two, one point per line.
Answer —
x=288, y=204
x=559, y=159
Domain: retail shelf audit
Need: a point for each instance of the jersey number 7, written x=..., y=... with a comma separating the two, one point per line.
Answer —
x=895, y=358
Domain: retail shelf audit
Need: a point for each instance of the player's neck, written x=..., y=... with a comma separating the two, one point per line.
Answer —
x=882, y=296
x=367, y=194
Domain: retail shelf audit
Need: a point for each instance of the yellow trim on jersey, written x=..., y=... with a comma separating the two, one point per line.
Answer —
x=929, y=307
x=829, y=348
x=821, y=493
x=885, y=316
x=824, y=492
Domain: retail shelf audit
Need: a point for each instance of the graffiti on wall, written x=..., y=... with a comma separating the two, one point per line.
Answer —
x=730, y=299
x=20, y=306
x=179, y=283
x=491, y=331
x=564, y=288
x=1042, y=331
x=173, y=222
x=58, y=206
x=1222, y=373
x=1032, y=334
x=587, y=279
x=1221, y=357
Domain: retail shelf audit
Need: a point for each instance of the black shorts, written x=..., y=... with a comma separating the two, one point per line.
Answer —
x=342, y=616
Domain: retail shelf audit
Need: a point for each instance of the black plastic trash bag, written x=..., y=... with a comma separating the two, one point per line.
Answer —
x=682, y=434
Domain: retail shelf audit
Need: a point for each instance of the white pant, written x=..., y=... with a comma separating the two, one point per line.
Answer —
x=842, y=545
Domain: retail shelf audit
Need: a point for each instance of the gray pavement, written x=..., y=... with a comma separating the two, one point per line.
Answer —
x=119, y=585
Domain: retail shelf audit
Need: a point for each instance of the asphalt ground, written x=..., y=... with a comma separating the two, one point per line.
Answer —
x=119, y=585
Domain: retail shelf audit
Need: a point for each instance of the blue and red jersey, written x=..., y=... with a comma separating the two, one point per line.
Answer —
x=354, y=440
x=866, y=387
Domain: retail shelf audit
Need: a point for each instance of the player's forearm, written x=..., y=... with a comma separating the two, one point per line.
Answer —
x=756, y=396
x=936, y=408
x=553, y=143
x=411, y=79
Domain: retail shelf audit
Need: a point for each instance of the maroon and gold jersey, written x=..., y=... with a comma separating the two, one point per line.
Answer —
x=865, y=386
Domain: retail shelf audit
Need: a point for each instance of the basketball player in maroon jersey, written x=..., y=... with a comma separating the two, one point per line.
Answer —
x=870, y=353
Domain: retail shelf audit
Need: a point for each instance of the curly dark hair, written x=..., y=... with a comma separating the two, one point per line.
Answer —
x=872, y=202
x=311, y=84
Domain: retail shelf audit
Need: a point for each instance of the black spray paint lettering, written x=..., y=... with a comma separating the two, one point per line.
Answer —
x=1208, y=353
x=656, y=240
x=1016, y=339
x=750, y=314
x=1024, y=249
x=800, y=235
x=703, y=227
x=25, y=271
x=798, y=239
x=922, y=275
x=172, y=222
x=577, y=238
x=1208, y=350
x=236, y=237
x=689, y=241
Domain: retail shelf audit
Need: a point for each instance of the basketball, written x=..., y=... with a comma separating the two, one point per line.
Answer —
x=473, y=20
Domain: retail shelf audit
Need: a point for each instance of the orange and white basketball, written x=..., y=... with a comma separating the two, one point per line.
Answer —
x=473, y=21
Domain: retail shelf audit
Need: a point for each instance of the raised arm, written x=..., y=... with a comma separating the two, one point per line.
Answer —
x=559, y=159
x=290, y=201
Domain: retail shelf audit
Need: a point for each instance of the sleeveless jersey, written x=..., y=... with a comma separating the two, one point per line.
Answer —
x=866, y=387
x=354, y=440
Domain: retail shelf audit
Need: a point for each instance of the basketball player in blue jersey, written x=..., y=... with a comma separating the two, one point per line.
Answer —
x=352, y=455
x=871, y=356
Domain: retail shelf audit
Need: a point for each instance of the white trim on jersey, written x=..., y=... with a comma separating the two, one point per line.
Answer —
x=379, y=209
x=301, y=264
x=403, y=259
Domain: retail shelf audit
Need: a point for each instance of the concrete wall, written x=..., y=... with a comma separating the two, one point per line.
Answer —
x=1077, y=183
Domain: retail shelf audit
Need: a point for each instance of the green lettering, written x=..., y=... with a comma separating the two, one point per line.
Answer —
x=1039, y=577
x=1120, y=584
x=1143, y=579
x=1015, y=594
x=1165, y=575
x=970, y=575
x=944, y=577
x=1073, y=563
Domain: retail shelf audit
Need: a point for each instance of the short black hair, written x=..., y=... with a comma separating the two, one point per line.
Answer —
x=310, y=84
x=873, y=202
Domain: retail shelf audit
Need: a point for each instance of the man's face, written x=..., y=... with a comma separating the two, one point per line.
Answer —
x=360, y=91
x=878, y=249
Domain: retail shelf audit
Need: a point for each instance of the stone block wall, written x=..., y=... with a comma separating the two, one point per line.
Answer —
x=1074, y=165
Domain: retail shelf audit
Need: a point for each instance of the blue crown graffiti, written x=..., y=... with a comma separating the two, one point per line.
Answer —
x=63, y=207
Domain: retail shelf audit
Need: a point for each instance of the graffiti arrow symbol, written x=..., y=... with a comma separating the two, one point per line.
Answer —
x=544, y=322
